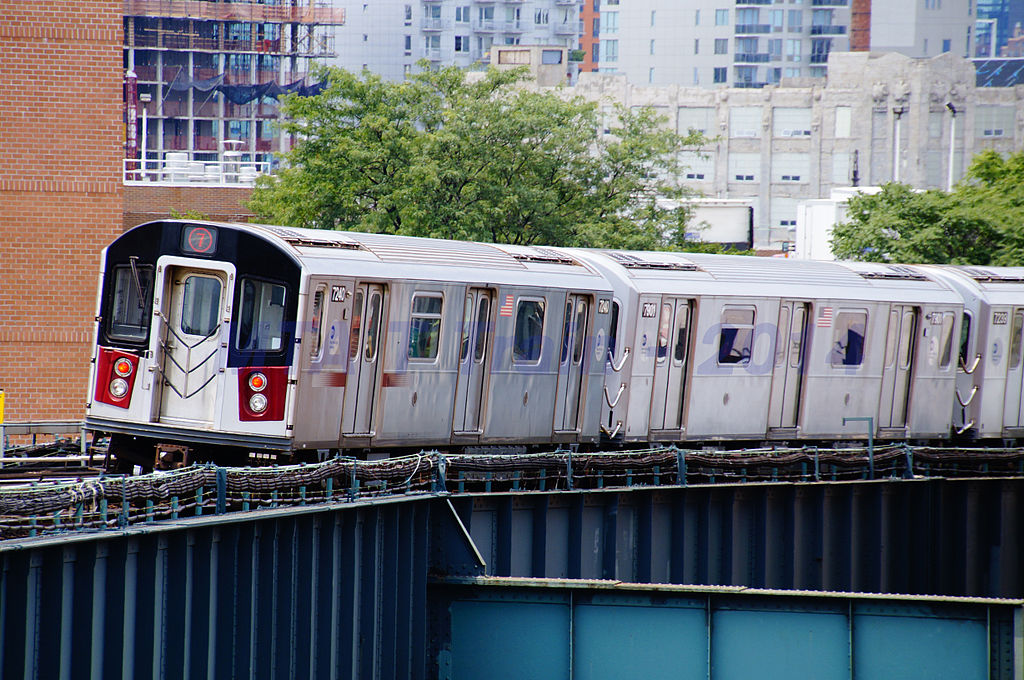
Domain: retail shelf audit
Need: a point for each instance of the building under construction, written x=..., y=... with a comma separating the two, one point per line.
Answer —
x=203, y=79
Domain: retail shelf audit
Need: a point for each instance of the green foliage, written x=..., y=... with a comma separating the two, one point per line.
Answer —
x=443, y=156
x=980, y=222
x=190, y=214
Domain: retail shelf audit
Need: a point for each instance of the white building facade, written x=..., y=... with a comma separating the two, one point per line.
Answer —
x=706, y=43
x=877, y=118
x=388, y=37
x=923, y=28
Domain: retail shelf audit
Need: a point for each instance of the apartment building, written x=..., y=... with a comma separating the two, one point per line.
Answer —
x=207, y=74
x=705, y=43
x=389, y=37
x=876, y=118
x=923, y=28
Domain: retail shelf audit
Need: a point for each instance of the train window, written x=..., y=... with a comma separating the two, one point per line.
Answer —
x=848, y=338
x=907, y=330
x=565, y=332
x=946, y=341
x=890, y=338
x=796, y=350
x=581, y=331
x=425, y=327
x=483, y=313
x=200, y=305
x=130, y=301
x=965, y=338
x=261, y=316
x=316, y=323
x=780, y=336
x=372, y=327
x=664, y=326
x=613, y=330
x=467, y=319
x=737, y=336
x=682, y=320
x=1018, y=324
x=529, y=331
x=357, y=325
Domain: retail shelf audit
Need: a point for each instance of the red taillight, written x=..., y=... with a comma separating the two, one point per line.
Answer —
x=115, y=377
x=261, y=393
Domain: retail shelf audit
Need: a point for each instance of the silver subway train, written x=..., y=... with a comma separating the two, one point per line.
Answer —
x=215, y=340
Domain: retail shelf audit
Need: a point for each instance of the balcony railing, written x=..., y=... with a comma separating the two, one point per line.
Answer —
x=510, y=26
x=567, y=28
x=483, y=26
x=819, y=59
x=753, y=2
x=176, y=168
x=753, y=28
x=313, y=13
x=432, y=53
x=830, y=3
x=828, y=30
x=434, y=24
x=751, y=58
x=749, y=84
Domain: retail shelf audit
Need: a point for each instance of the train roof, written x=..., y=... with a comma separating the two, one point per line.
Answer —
x=320, y=251
x=994, y=285
x=708, y=274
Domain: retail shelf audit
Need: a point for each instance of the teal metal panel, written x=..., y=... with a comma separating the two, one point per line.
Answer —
x=902, y=646
x=513, y=640
x=778, y=644
x=651, y=642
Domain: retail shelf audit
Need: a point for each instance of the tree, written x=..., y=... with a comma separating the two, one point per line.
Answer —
x=447, y=156
x=980, y=222
x=901, y=225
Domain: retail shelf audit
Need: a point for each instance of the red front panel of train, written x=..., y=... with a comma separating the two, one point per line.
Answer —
x=261, y=393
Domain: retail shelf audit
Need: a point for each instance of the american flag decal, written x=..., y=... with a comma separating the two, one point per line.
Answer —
x=824, y=317
x=506, y=307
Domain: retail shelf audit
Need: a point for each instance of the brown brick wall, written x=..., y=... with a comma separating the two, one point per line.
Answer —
x=61, y=144
x=221, y=204
x=860, y=26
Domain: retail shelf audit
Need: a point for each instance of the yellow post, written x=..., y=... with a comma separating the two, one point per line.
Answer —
x=1, y=406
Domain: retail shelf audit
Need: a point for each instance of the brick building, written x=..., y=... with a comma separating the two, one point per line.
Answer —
x=61, y=197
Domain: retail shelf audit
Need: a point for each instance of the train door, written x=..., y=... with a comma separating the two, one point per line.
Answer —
x=323, y=360
x=368, y=308
x=190, y=341
x=570, y=363
x=788, y=372
x=670, y=359
x=900, y=344
x=474, y=350
x=1014, y=372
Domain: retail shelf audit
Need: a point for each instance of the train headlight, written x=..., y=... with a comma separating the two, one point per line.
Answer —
x=123, y=367
x=257, y=382
x=118, y=387
x=257, y=403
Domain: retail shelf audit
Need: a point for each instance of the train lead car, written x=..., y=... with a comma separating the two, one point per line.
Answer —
x=215, y=341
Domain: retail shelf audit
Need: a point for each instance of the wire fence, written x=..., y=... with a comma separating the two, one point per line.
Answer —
x=112, y=501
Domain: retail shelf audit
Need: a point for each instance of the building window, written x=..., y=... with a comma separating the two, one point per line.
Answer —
x=791, y=122
x=993, y=121
x=947, y=44
x=793, y=48
x=611, y=50
x=408, y=45
x=652, y=16
x=721, y=17
x=843, y=118
x=462, y=15
x=700, y=119
x=595, y=52
x=792, y=72
x=698, y=166
x=744, y=121
x=408, y=15
x=652, y=46
x=610, y=23
x=696, y=76
x=540, y=17
x=720, y=74
x=696, y=45
x=796, y=20
x=696, y=17
x=462, y=43
x=775, y=49
x=743, y=167
x=778, y=17
x=650, y=75
x=596, y=27
x=721, y=46
x=791, y=167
